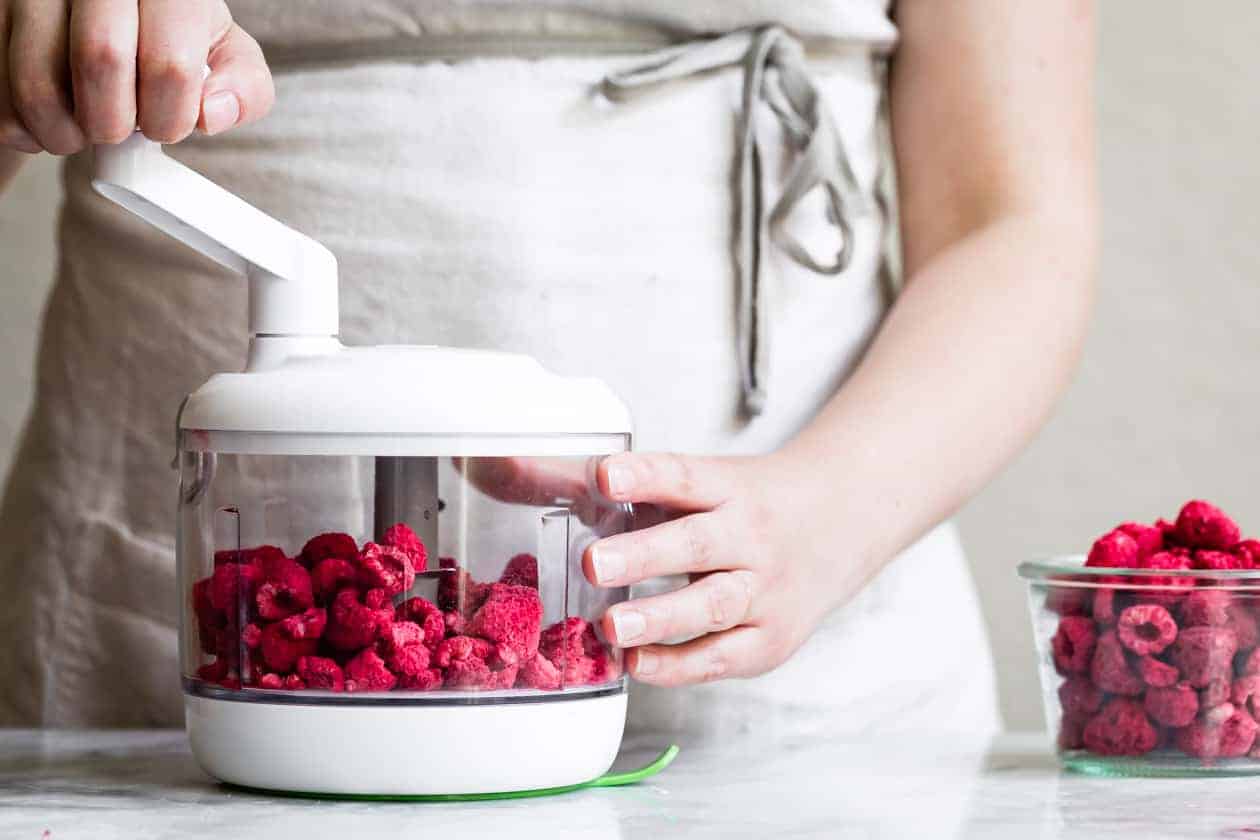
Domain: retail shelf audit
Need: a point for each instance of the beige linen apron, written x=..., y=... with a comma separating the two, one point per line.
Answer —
x=532, y=177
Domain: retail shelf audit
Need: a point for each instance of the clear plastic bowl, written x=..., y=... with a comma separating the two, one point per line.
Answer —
x=1148, y=672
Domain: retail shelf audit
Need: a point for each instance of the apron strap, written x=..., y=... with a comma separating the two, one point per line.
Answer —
x=773, y=63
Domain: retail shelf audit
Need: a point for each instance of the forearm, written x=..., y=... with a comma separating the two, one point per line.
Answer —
x=10, y=163
x=963, y=373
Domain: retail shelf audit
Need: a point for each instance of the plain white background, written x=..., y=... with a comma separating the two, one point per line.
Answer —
x=1166, y=403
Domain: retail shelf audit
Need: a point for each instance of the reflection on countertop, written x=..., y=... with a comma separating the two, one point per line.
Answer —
x=138, y=785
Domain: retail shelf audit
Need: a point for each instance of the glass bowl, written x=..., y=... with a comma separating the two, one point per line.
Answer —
x=1148, y=672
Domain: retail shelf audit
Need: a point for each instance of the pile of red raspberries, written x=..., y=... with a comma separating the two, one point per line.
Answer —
x=328, y=619
x=1162, y=661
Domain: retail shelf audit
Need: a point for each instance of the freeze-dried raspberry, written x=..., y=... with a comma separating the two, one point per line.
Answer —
x=461, y=647
x=1216, y=561
x=563, y=640
x=210, y=621
x=1218, y=714
x=1146, y=629
x=1173, y=706
x=1245, y=692
x=1202, y=525
x=408, y=661
x=1072, y=732
x=230, y=645
x=285, y=588
x=401, y=536
x=511, y=615
x=275, y=682
x=1121, y=728
x=1244, y=625
x=1069, y=600
x=251, y=635
x=1171, y=560
x=456, y=624
x=426, y=680
x=386, y=567
x=1078, y=696
x=280, y=650
x=1248, y=554
x=457, y=590
x=1072, y=644
x=463, y=661
x=331, y=575
x=571, y=645
x=1230, y=738
x=232, y=584
x=1206, y=608
x=1105, y=606
x=539, y=672
x=324, y=546
x=367, y=672
x=1250, y=664
x=1109, y=669
x=1169, y=530
x=521, y=570
x=214, y=672
x=1217, y=692
x=308, y=624
x=321, y=673
x=248, y=556
x=604, y=667
x=425, y=613
x=293, y=682
x=504, y=664
x=405, y=654
x=1203, y=654
x=355, y=623
x=1114, y=550
x=1156, y=673
x=1149, y=539
x=401, y=634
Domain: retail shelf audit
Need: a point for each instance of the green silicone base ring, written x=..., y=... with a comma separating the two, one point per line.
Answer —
x=607, y=780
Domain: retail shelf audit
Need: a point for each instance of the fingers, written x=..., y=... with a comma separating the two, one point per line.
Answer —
x=174, y=42
x=13, y=133
x=689, y=544
x=240, y=89
x=103, y=40
x=39, y=75
x=735, y=653
x=685, y=482
x=714, y=603
x=526, y=481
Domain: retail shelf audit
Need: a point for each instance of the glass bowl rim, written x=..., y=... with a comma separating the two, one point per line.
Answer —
x=1070, y=570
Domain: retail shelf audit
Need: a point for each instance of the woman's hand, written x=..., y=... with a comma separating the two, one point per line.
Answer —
x=77, y=72
x=764, y=569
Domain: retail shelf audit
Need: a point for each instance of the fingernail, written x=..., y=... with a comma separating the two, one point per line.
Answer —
x=620, y=480
x=645, y=664
x=609, y=565
x=628, y=625
x=220, y=111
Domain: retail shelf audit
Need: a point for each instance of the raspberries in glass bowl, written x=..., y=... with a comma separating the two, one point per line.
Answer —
x=1150, y=647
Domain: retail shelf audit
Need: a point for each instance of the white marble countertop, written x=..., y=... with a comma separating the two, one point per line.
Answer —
x=141, y=785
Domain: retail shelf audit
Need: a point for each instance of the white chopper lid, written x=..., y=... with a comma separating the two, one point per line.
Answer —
x=302, y=391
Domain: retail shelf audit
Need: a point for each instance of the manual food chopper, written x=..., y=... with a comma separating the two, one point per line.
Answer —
x=379, y=548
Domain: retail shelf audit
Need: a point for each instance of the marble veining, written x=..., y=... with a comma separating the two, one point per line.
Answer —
x=141, y=785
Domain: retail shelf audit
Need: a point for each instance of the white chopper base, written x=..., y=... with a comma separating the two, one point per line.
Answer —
x=406, y=750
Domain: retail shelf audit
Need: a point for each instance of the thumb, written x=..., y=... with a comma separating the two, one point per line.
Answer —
x=239, y=89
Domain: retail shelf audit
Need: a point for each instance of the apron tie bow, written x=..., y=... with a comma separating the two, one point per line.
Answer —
x=775, y=74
